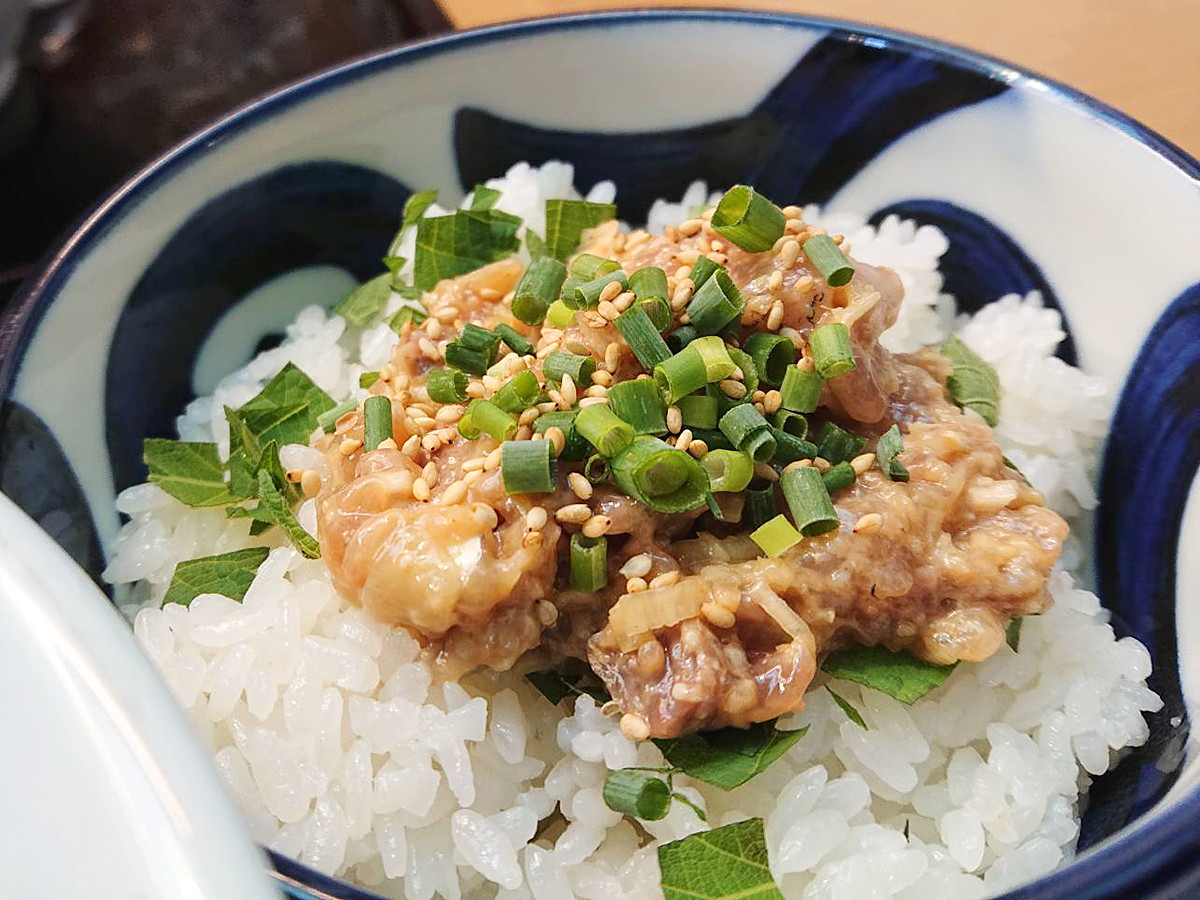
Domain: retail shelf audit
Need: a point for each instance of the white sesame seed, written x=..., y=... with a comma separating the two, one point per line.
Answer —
x=455, y=493
x=421, y=489
x=310, y=483
x=581, y=486
x=868, y=524
x=536, y=518
x=349, y=445
x=574, y=513
x=789, y=253
x=666, y=579
x=597, y=526
x=862, y=464
x=734, y=389
x=635, y=585
x=637, y=566
x=555, y=436
x=674, y=419
x=610, y=291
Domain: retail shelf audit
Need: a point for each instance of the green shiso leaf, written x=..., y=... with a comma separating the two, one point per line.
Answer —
x=189, y=472
x=725, y=863
x=449, y=246
x=847, y=708
x=899, y=675
x=729, y=757
x=227, y=574
x=277, y=506
x=566, y=221
x=555, y=686
x=364, y=302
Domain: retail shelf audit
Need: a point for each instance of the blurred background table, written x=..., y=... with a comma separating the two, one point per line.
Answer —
x=100, y=87
x=1141, y=57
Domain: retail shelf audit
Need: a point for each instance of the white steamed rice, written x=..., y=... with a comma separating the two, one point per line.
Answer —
x=343, y=753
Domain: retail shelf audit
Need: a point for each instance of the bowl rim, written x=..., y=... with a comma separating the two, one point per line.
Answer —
x=1153, y=856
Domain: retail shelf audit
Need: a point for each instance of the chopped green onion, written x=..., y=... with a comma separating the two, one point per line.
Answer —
x=791, y=422
x=366, y=379
x=702, y=271
x=639, y=403
x=715, y=355
x=776, y=536
x=587, y=295
x=680, y=374
x=475, y=362
x=789, y=448
x=446, y=386
x=404, y=315
x=587, y=266
x=377, y=421
x=642, y=337
x=475, y=337
x=538, y=288
x=466, y=423
x=699, y=410
x=649, y=282
x=973, y=384
x=559, y=315
x=831, y=351
x=528, y=467
x=749, y=431
x=658, y=310
x=801, y=391
x=761, y=505
x=728, y=470
x=490, y=419
x=714, y=438
x=596, y=469
x=886, y=450
x=836, y=444
x=714, y=305
x=518, y=393
x=748, y=219
x=659, y=476
x=637, y=794
x=576, y=447
x=808, y=501
x=840, y=476
x=681, y=337
x=603, y=429
x=589, y=563
x=829, y=259
x=328, y=419
x=772, y=355
x=514, y=340
x=561, y=363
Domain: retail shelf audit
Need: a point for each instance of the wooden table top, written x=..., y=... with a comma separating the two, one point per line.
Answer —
x=1143, y=58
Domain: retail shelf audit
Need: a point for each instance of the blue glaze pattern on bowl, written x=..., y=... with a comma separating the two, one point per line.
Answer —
x=1030, y=181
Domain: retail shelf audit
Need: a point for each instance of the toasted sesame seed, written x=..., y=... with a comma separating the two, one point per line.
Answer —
x=593, y=319
x=476, y=389
x=545, y=351
x=574, y=513
x=719, y=258
x=762, y=470
x=688, y=257
x=349, y=445
x=666, y=579
x=634, y=727
x=794, y=336
x=697, y=448
x=492, y=383
x=792, y=212
x=637, y=566
x=793, y=226
x=683, y=294
x=581, y=486
x=567, y=389
x=682, y=272
x=608, y=309
x=612, y=356
x=772, y=401
x=547, y=613
x=473, y=465
x=425, y=422
x=293, y=475
x=429, y=348
x=547, y=406
x=431, y=441
x=624, y=301
x=804, y=284
x=536, y=518
x=421, y=489
x=797, y=464
x=524, y=433
x=862, y=464
x=690, y=227
x=868, y=524
x=602, y=378
x=718, y=615
x=674, y=419
x=430, y=473
x=450, y=413
x=618, y=241
x=528, y=416
x=760, y=407
x=531, y=539
x=411, y=446
x=775, y=317
x=685, y=438
x=597, y=526
x=433, y=328
x=685, y=319
x=455, y=493
x=310, y=483
x=593, y=401
x=610, y=291
x=805, y=364
x=555, y=436
x=789, y=253
x=734, y=389
x=387, y=444
x=484, y=516
x=823, y=465
x=488, y=293
x=469, y=478
x=635, y=585
x=492, y=461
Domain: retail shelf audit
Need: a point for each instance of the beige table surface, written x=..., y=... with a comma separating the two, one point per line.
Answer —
x=1141, y=56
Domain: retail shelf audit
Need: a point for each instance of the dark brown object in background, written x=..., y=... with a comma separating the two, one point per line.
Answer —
x=109, y=85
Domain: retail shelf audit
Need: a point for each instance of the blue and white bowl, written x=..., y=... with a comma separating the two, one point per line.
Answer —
x=177, y=276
